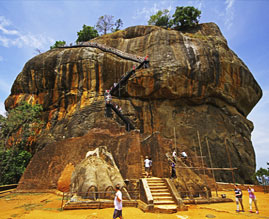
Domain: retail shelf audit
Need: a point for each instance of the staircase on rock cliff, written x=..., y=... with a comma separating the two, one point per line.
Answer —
x=117, y=86
x=144, y=62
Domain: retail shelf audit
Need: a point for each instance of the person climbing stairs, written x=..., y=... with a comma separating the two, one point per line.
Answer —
x=108, y=95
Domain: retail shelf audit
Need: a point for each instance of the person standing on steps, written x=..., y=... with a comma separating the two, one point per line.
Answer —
x=252, y=198
x=174, y=155
x=147, y=165
x=118, y=203
x=173, y=173
x=150, y=166
x=238, y=198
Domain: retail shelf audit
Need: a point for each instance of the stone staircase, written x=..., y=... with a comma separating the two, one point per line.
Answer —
x=162, y=198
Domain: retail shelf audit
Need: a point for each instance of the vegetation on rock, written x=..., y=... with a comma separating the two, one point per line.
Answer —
x=186, y=16
x=87, y=33
x=161, y=18
x=183, y=17
x=58, y=44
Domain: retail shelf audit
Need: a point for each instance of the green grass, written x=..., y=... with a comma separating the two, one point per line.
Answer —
x=29, y=207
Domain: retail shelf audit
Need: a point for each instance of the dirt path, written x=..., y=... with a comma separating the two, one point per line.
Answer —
x=48, y=206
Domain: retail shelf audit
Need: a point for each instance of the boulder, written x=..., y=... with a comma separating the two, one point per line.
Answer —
x=194, y=83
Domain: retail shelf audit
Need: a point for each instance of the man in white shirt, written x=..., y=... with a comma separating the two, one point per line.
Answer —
x=147, y=165
x=184, y=155
x=174, y=155
x=118, y=203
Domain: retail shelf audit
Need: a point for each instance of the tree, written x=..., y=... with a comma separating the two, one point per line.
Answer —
x=18, y=131
x=19, y=128
x=117, y=24
x=186, y=16
x=105, y=23
x=161, y=18
x=12, y=165
x=260, y=174
x=58, y=44
x=86, y=34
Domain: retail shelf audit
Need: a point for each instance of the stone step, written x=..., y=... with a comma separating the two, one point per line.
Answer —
x=153, y=182
x=157, y=187
x=155, y=190
x=155, y=179
x=163, y=202
x=155, y=193
x=168, y=209
x=159, y=198
x=156, y=184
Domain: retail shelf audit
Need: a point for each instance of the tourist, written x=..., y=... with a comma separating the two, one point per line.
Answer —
x=108, y=97
x=147, y=165
x=184, y=155
x=173, y=173
x=150, y=166
x=118, y=203
x=238, y=198
x=252, y=198
x=174, y=155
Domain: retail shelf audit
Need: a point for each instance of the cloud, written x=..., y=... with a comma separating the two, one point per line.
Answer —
x=229, y=15
x=11, y=37
x=2, y=108
x=5, y=23
x=149, y=10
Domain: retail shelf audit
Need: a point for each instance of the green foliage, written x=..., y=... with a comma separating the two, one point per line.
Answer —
x=86, y=34
x=186, y=16
x=161, y=18
x=183, y=17
x=58, y=44
x=20, y=125
x=12, y=165
x=17, y=132
x=259, y=175
x=262, y=172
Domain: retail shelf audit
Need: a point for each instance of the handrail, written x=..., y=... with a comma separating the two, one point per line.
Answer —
x=128, y=75
x=7, y=187
x=145, y=193
x=172, y=189
x=129, y=125
x=107, y=49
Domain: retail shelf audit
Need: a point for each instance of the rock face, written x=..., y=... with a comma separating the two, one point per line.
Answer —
x=195, y=85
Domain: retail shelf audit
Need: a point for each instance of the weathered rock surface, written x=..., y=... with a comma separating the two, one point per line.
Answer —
x=195, y=83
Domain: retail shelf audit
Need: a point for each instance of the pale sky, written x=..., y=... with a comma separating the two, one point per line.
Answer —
x=36, y=24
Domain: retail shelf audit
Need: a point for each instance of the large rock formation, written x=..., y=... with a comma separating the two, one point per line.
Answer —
x=195, y=84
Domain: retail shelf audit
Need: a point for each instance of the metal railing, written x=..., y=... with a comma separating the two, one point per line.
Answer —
x=96, y=196
x=107, y=49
